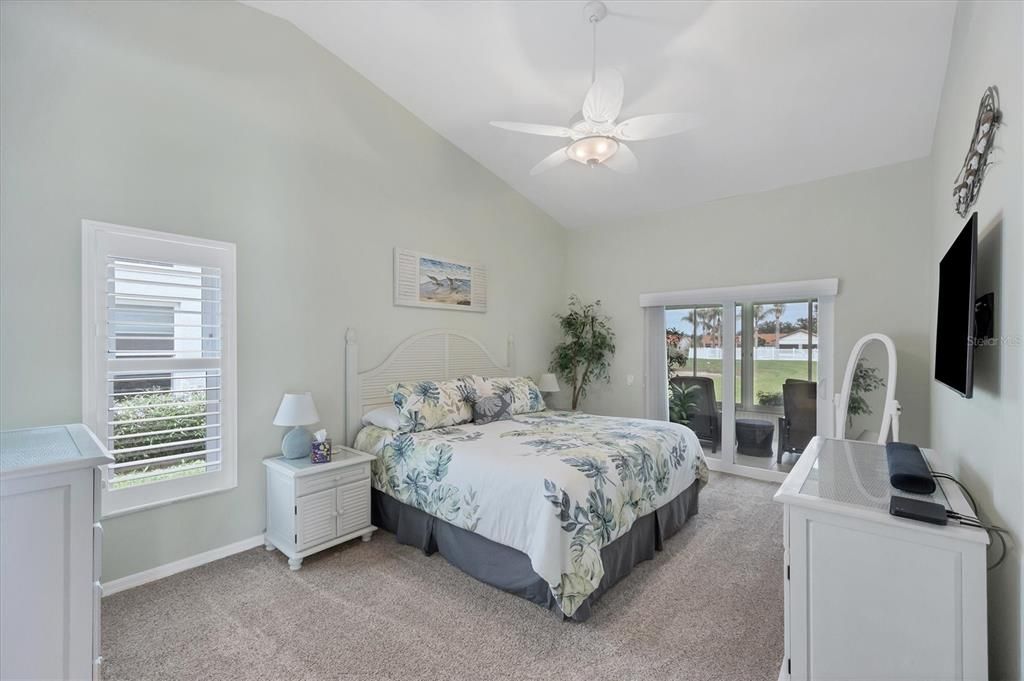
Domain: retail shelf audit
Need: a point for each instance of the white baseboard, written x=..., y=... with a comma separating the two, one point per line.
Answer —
x=168, y=569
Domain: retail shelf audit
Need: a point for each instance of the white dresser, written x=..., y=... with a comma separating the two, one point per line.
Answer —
x=50, y=553
x=313, y=506
x=870, y=596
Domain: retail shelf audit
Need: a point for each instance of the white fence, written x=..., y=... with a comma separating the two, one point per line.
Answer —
x=769, y=352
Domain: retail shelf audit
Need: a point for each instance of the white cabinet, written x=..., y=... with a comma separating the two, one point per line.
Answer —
x=50, y=553
x=869, y=595
x=311, y=507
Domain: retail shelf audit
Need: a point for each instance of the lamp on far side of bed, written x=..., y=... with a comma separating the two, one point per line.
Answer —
x=298, y=410
x=547, y=383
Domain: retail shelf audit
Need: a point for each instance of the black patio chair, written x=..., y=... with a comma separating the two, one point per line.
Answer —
x=706, y=421
x=800, y=421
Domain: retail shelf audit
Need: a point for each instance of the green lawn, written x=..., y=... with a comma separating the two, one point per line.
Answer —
x=769, y=374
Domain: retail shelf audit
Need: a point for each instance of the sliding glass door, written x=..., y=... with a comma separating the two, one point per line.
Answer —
x=777, y=347
x=744, y=375
x=693, y=339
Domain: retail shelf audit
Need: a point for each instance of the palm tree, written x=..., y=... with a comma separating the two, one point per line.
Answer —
x=777, y=310
x=705, y=318
x=691, y=319
x=713, y=324
x=761, y=313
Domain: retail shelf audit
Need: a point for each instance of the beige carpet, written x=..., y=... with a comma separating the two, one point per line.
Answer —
x=708, y=607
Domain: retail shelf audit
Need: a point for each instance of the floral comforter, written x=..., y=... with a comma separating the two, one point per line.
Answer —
x=557, y=486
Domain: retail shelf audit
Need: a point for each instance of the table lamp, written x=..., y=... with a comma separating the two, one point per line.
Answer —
x=547, y=383
x=298, y=410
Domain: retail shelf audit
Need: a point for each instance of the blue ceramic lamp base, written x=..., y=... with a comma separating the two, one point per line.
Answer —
x=296, y=443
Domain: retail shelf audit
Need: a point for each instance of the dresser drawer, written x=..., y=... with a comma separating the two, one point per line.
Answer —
x=309, y=484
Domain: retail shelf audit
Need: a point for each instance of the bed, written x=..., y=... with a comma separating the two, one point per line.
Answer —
x=553, y=506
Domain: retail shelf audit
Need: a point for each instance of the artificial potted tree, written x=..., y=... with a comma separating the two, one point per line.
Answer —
x=586, y=350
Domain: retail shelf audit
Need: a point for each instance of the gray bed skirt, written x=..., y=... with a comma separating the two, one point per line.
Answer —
x=509, y=569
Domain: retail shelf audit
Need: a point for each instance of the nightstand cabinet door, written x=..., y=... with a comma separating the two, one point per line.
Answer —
x=316, y=518
x=353, y=507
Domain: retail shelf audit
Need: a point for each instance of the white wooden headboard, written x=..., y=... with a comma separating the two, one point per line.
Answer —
x=436, y=355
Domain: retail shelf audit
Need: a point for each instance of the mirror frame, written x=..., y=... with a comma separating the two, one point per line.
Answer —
x=892, y=409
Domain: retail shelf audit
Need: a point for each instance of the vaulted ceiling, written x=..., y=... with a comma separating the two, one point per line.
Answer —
x=787, y=92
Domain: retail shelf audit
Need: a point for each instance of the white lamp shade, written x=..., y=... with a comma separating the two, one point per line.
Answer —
x=297, y=409
x=547, y=383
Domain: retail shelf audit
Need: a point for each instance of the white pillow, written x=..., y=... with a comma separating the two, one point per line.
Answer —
x=382, y=417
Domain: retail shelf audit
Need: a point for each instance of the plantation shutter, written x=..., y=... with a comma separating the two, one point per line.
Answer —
x=159, y=363
x=163, y=358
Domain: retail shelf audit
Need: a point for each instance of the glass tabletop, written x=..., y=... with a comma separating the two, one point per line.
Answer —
x=857, y=473
x=49, y=445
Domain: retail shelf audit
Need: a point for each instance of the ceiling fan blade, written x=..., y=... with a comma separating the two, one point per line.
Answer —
x=655, y=125
x=556, y=158
x=623, y=161
x=534, y=128
x=604, y=98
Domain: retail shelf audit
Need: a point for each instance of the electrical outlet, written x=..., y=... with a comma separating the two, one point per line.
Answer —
x=630, y=379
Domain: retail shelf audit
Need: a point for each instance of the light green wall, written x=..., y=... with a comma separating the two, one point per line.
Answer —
x=985, y=434
x=869, y=229
x=213, y=119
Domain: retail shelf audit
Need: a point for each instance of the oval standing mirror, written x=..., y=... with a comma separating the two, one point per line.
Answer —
x=867, y=394
x=866, y=409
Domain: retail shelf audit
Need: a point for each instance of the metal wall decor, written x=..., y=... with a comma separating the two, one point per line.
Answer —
x=968, y=182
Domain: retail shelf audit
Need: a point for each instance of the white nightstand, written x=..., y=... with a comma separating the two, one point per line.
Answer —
x=313, y=506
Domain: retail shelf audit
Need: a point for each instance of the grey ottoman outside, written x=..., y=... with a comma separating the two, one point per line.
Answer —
x=754, y=437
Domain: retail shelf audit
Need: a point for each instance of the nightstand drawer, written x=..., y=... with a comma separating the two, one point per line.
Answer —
x=309, y=484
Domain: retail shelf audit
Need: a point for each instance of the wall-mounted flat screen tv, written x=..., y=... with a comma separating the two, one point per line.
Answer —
x=955, y=328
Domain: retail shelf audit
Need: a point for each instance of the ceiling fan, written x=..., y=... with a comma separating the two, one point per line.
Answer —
x=597, y=139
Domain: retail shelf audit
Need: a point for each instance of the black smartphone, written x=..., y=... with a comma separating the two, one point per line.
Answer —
x=915, y=509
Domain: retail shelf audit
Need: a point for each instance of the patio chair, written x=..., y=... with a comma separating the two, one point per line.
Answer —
x=800, y=421
x=706, y=420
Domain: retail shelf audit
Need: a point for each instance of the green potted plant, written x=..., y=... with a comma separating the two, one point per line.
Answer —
x=586, y=351
x=682, y=402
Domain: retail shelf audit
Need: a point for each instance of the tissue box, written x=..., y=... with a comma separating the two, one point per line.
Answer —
x=320, y=452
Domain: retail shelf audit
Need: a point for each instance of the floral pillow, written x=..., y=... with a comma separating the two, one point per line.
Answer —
x=432, y=404
x=496, y=399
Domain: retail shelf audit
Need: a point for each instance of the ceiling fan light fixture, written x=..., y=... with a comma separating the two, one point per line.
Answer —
x=593, y=150
x=597, y=139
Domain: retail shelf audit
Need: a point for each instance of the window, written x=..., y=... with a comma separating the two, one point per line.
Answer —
x=784, y=347
x=159, y=363
x=775, y=342
x=693, y=336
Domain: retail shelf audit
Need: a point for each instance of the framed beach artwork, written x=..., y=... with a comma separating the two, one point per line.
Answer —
x=423, y=280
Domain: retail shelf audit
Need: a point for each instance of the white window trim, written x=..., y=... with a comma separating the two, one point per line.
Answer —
x=824, y=290
x=98, y=238
x=752, y=293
